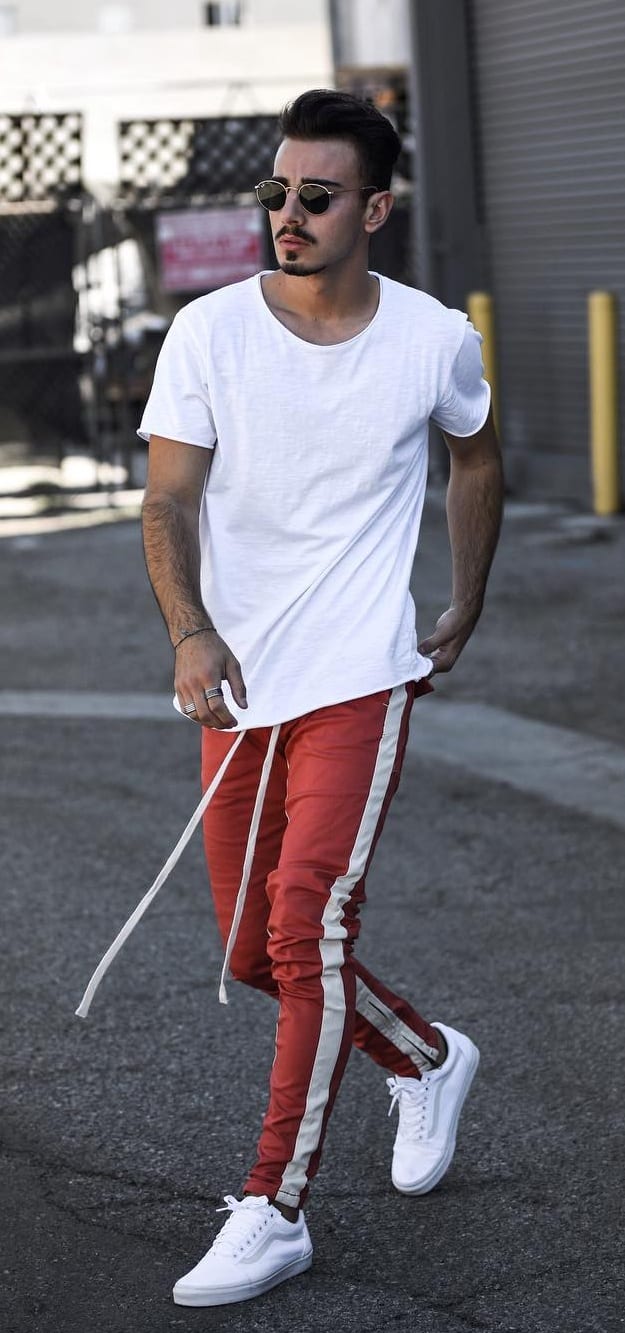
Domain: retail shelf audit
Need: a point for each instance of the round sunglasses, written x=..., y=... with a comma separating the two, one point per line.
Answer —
x=314, y=198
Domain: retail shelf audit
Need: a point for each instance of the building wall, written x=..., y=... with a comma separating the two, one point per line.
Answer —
x=123, y=15
x=210, y=72
x=549, y=85
x=371, y=32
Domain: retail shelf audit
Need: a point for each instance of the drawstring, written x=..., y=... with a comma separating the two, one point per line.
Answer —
x=104, y=964
x=247, y=863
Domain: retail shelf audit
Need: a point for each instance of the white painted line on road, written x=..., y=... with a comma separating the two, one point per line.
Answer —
x=559, y=765
x=10, y=528
x=571, y=769
x=81, y=703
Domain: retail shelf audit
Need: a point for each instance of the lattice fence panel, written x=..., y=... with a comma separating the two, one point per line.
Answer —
x=40, y=158
x=194, y=160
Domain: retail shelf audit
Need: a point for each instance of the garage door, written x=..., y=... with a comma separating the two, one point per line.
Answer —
x=549, y=88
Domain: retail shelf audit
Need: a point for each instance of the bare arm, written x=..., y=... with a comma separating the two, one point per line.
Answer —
x=474, y=508
x=170, y=517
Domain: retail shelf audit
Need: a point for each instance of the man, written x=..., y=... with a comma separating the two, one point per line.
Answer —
x=288, y=458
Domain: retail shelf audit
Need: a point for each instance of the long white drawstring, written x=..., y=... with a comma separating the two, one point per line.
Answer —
x=247, y=863
x=104, y=964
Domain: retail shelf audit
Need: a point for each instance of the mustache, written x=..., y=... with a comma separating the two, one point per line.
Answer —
x=296, y=232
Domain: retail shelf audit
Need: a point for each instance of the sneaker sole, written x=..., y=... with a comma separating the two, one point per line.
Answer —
x=424, y=1186
x=230, y=1295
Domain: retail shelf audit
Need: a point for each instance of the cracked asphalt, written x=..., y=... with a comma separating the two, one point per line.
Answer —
x=494, y=909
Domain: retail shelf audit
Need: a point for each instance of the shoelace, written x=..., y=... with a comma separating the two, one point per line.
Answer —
x=242, y=1225
x=412, y=1105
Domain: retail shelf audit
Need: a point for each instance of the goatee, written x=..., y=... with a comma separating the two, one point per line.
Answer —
x=296, y=268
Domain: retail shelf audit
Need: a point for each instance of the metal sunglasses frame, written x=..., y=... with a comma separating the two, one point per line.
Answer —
x=357, y=189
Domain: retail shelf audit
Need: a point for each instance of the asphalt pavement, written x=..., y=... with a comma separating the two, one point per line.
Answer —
x=496, y=906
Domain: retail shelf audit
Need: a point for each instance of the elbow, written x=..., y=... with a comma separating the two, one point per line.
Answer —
x=161, y=504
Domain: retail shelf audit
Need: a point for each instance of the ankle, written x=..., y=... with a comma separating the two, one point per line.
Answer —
x=443, y=1049
x=291, y=1214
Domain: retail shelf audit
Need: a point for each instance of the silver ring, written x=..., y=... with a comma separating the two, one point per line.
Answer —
x=211, y=694
x=189, y=708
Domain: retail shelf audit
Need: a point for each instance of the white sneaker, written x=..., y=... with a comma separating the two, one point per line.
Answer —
x=429, y=1110
x=255, y=1250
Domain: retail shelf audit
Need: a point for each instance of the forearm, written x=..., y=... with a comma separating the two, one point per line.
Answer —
x=474, y=509
x=172, y=556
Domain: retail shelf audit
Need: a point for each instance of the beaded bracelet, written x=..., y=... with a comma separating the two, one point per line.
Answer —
x=206, y=629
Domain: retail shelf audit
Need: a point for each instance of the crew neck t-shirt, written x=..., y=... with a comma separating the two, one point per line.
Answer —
x=310, y=516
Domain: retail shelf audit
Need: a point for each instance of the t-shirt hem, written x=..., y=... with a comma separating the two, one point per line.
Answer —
x=481, y=420
x=322, y=701
x=167, y=434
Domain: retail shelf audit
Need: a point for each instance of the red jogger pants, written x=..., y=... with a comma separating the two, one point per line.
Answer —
x=334, y=773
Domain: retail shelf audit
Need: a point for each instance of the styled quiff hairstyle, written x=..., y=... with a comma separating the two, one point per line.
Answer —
x=323, y=113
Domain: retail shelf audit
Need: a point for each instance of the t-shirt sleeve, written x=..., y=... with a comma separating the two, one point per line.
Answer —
x=179, y=406
x=462, y=407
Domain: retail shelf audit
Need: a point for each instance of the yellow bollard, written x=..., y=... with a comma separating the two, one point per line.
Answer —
x=604, y=422
x=481, y=312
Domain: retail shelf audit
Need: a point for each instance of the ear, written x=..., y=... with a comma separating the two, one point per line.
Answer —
x=377, y=209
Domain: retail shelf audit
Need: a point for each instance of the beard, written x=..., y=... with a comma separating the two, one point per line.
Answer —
x=298, y=268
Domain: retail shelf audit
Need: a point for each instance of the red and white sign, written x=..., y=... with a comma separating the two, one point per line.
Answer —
x=201, y=250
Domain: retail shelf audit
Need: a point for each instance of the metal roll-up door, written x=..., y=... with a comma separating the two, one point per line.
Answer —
x=549, y=87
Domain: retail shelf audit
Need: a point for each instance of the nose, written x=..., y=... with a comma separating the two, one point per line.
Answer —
x=292, y=210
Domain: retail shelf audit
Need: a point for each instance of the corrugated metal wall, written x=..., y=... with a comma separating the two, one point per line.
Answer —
x=549, y=85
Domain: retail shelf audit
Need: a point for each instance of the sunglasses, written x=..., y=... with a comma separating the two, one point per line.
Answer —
x=314, y=198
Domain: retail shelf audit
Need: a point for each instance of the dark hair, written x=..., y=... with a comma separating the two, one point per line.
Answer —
x=323, y=113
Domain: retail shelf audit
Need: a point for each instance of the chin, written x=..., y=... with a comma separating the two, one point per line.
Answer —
x=297, y=269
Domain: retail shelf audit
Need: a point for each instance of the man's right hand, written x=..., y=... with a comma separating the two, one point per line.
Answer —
x=203, y=661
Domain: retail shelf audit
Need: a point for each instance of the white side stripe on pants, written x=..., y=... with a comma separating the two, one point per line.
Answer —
x=377, y=1013
x=332, y=957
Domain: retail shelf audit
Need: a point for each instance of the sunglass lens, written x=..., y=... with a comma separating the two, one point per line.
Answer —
x=271, y=195
x=315, y=198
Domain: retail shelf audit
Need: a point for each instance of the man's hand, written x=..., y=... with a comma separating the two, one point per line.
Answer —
x=453, y=629
x=202, y=662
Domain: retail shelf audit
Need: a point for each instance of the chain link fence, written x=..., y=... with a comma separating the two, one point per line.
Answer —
x=40, y=199
x=87, y=292
x=84, y=299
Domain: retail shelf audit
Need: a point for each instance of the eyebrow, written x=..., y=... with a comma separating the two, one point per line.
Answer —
x=308, y=180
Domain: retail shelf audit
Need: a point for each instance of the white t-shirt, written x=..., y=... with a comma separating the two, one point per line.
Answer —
x=311, y=514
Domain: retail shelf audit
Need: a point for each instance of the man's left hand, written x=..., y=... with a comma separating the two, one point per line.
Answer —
x=453, y=629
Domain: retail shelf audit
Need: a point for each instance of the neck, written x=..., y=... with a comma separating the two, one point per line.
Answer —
x=333, y=294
